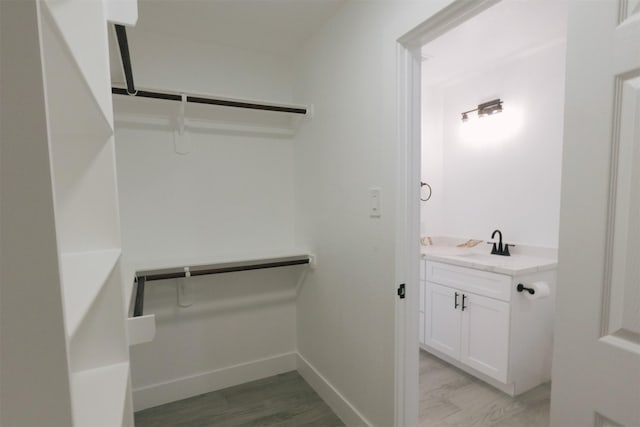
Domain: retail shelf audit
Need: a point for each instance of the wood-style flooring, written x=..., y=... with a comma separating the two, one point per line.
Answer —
x=281, y=400
x=450, y=397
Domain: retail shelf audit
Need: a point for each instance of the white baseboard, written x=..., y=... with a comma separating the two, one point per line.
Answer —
x=336, y=401
x=181, y=388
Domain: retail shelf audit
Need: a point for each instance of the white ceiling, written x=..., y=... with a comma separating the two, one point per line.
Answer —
x=270, y=26
x=509, y=28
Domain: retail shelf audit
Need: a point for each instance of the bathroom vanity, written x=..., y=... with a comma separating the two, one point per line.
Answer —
x=473, y=315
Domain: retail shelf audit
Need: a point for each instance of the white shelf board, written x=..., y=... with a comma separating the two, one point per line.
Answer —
x=83, y=276
x=81, y=26
x=122, y=12
x=128, y=278
x=67, y=88
x=195, y=106
x=132, y=110
x=218, y=258
x=141, y=329
x=99, y=395
x=201, y=124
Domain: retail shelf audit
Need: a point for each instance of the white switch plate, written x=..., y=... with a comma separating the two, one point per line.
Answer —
x=374, y=202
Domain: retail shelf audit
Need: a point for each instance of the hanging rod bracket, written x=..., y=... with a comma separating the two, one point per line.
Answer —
x=181, y=118
x=123, y=44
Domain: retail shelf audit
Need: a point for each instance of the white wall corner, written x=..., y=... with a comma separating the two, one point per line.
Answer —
x=332, y=397
x=218, y=379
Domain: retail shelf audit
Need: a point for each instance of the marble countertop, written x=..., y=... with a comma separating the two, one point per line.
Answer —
x=516, y=264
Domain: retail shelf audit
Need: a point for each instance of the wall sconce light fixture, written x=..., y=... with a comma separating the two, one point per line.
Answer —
x=485, y=109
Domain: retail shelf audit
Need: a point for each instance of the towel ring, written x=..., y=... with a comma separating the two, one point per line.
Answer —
x=423, y=184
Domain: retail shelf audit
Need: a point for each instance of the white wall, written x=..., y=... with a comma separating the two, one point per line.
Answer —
x=506, y=174
x=346, y=307
x=169, y=62
x=432, y=211
x=233, y=193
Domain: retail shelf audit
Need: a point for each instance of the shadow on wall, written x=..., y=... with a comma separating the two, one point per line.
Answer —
x=222, y=294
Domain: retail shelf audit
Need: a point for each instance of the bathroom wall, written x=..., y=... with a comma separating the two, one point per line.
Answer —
x=432, y=211
x=501, y=171
x=232, y=193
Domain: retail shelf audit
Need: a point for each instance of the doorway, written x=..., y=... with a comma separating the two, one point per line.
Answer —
x=512, y=52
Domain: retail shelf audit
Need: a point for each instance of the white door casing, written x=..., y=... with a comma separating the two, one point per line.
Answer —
x=596, y=364
x=409, y=60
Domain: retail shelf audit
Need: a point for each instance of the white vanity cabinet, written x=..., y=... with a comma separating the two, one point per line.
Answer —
x=477, y=321
x=468, y=327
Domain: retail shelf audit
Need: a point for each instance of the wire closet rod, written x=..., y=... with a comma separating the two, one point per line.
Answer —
x=123, y=44
x=142, y=278
x=209, y=101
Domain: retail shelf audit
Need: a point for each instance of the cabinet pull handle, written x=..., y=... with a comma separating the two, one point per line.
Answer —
x=455, y=301
x=463, y=298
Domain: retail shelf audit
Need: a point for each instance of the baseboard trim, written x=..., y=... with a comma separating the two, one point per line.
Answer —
x=336, y=401
x=182, y=388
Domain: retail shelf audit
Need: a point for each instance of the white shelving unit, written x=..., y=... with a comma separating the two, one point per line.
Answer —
x=64, y=347
x=98, y=396
x=84, y=274
x=79, y=122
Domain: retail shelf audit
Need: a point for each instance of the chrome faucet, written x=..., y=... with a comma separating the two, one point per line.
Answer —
x=499, y=250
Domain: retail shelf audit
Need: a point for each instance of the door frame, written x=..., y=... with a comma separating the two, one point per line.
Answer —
x=407, y=260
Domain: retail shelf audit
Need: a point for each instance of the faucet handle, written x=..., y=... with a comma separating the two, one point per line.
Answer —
x=500, y=250
x=505, y=252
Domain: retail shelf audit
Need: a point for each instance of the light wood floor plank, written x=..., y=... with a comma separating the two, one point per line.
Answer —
x=284, y=400
x=450, y=397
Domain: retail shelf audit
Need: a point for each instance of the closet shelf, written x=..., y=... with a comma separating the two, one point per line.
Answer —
x=138, y=110
x=83, y=276
x=68, y=23
x=206, y=99
x=176, y=264
x=99, y=395
x=200, y=266
x=280, y=130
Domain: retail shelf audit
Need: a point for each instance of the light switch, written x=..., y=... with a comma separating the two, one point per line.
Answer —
x=374, y=202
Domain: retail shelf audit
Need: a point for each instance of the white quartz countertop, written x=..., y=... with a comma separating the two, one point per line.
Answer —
x=516, y=264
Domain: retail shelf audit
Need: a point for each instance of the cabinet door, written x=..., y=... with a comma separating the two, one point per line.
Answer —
x=485, y=335
x=442, y=319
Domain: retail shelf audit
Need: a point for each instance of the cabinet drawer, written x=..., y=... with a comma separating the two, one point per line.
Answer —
x=479, y=282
